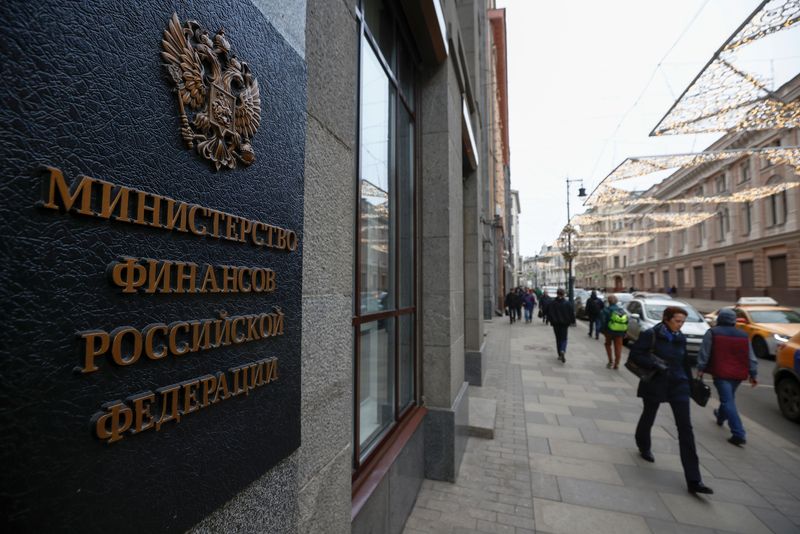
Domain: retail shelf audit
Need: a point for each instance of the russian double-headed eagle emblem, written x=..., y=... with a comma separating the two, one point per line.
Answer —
x=216, y=89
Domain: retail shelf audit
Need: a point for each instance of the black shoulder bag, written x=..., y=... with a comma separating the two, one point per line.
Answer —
x=646, y=374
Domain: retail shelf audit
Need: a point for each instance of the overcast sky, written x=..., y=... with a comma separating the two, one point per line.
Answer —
x=576, y=70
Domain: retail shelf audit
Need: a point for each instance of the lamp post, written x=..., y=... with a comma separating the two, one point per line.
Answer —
x=570, y=253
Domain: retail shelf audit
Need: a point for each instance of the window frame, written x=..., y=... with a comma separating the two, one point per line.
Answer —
x=365, y=460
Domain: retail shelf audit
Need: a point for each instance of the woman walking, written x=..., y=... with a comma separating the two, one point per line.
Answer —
x=663, y=347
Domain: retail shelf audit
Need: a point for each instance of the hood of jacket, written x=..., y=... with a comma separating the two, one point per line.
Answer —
x=726, y=317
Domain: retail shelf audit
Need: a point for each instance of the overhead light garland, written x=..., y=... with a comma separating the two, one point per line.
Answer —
x=607, y=195
x=725, y=98
x=636, y=167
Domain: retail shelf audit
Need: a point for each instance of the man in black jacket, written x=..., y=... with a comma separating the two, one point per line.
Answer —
x=561, y=314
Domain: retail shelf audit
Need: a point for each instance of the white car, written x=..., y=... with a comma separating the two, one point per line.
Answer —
x=645, y=313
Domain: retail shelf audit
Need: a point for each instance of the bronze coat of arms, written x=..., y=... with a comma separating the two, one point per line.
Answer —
x=216, y=89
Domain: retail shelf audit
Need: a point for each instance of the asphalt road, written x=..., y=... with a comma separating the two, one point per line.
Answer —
x=760, y=404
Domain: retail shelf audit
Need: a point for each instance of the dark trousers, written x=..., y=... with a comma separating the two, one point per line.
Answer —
x=560, y=331
x=680, y=410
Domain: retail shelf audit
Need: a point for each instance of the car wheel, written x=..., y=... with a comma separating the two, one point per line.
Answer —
x=760, y=348
x=788, y=391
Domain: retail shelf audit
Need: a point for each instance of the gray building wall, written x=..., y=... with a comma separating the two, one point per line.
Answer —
x=310, y=490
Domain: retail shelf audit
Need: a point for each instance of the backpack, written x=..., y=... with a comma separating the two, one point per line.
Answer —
x=617, y=321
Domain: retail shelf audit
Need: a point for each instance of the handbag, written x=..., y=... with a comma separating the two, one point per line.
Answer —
x=699, y=391
x=646, y=374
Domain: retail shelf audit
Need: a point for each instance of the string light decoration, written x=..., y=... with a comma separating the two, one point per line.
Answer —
x=723, y=97
x=675, y=220
x=636, y=167
x=613, y=196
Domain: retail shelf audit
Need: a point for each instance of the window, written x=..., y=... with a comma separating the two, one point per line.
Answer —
x=723, y=223
x=384, y=311
x=721, y=183
x=701, y=233
x=764, y=161
x=747, y=218
x=744, y=172
x=776, y=204
x=616, y=262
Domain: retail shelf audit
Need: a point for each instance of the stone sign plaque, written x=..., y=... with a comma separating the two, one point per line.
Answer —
x=152, y=217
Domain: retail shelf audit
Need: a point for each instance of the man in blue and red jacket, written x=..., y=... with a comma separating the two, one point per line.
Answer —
x=727, y=355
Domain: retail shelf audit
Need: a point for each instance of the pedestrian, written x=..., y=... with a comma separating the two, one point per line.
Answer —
x=544, y=302
x=727, y=355
x=614, y=323
x=673, y=291
x=594, y=308
x=561, y=314
x=510, y=305
x=529, y=301
x=670, y=384
x=519, y=302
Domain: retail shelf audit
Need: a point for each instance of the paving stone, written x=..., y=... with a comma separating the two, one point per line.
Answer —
x=659, y=526
x=590, y=451
x=545, y=486
x=775, y=521
x=577, y=422
x=547, y=408
x=656, y=479
x=566, y=401
x=628, y=428
x=710, y=513
x=665, y=462
x=550, y=431
x=610, y=497
x=563, y=518
x=575, y=468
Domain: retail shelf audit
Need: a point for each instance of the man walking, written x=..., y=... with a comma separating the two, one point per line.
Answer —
x=594, y=307
x=561, y=314
x=615, y=325
x=511, y=306
x=727, y=355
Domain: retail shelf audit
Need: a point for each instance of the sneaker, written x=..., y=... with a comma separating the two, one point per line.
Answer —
x=561, y=356
x=699, y=487
x=608, y=365
x=736, y=440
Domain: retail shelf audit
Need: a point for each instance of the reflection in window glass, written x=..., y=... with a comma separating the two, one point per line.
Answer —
x=406, y=356
x=381, y=25
x=376, y=380
x=377, y=173
x=405, y=207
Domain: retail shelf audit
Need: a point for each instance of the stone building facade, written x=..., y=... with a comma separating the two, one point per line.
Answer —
x=404, y=239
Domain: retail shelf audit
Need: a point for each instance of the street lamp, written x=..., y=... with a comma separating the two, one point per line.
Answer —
x=570, y=253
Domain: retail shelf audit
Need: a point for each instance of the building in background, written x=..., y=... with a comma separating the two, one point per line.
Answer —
x=740, y=249
x=406, y=241
x=514, y=258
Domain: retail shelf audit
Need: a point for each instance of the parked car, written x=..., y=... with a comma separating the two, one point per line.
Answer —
x=646, y=294
x=645, y=313
x=765, y=322
x=786, y=377
x=622, y=298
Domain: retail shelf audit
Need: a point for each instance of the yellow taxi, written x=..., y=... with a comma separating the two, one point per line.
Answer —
x=767, y=324
x=786, y=378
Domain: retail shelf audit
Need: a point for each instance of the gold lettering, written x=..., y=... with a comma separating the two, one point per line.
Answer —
x=292, y=240
x=222, y=385
x=254, y=235
x=240, y=279
x=57, y=185
x=209, y=277
x=142, y=207
x=190, y=396
x=209, y=384
x=91, y=350
x=117, y=337
x=229, y=276
x=215, y=215
x=272, y=370
x=149, y=350
x=246, y=224
x=201, y=230
x=170, y=405
x=281, y=239
x=128, y=275
x=143, y=419
x=201, y=335
x=176, y=219
x=182, y=277
x=270, y=230
x=159, y=274
x=230, y=227
x=174, y=347
x=121, y=200
x=111, y=425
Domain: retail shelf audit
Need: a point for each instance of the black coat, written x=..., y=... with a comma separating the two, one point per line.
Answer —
x=560, y=312
x=672, y=384
x=593, y=307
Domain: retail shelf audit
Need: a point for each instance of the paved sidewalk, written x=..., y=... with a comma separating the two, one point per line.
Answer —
x=563, y=459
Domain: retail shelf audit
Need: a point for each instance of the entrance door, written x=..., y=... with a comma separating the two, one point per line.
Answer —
x=746, y=272
x=698, y=277
x=778, y=271
x=665, y=276
x=679, y=275
x=719, y=275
